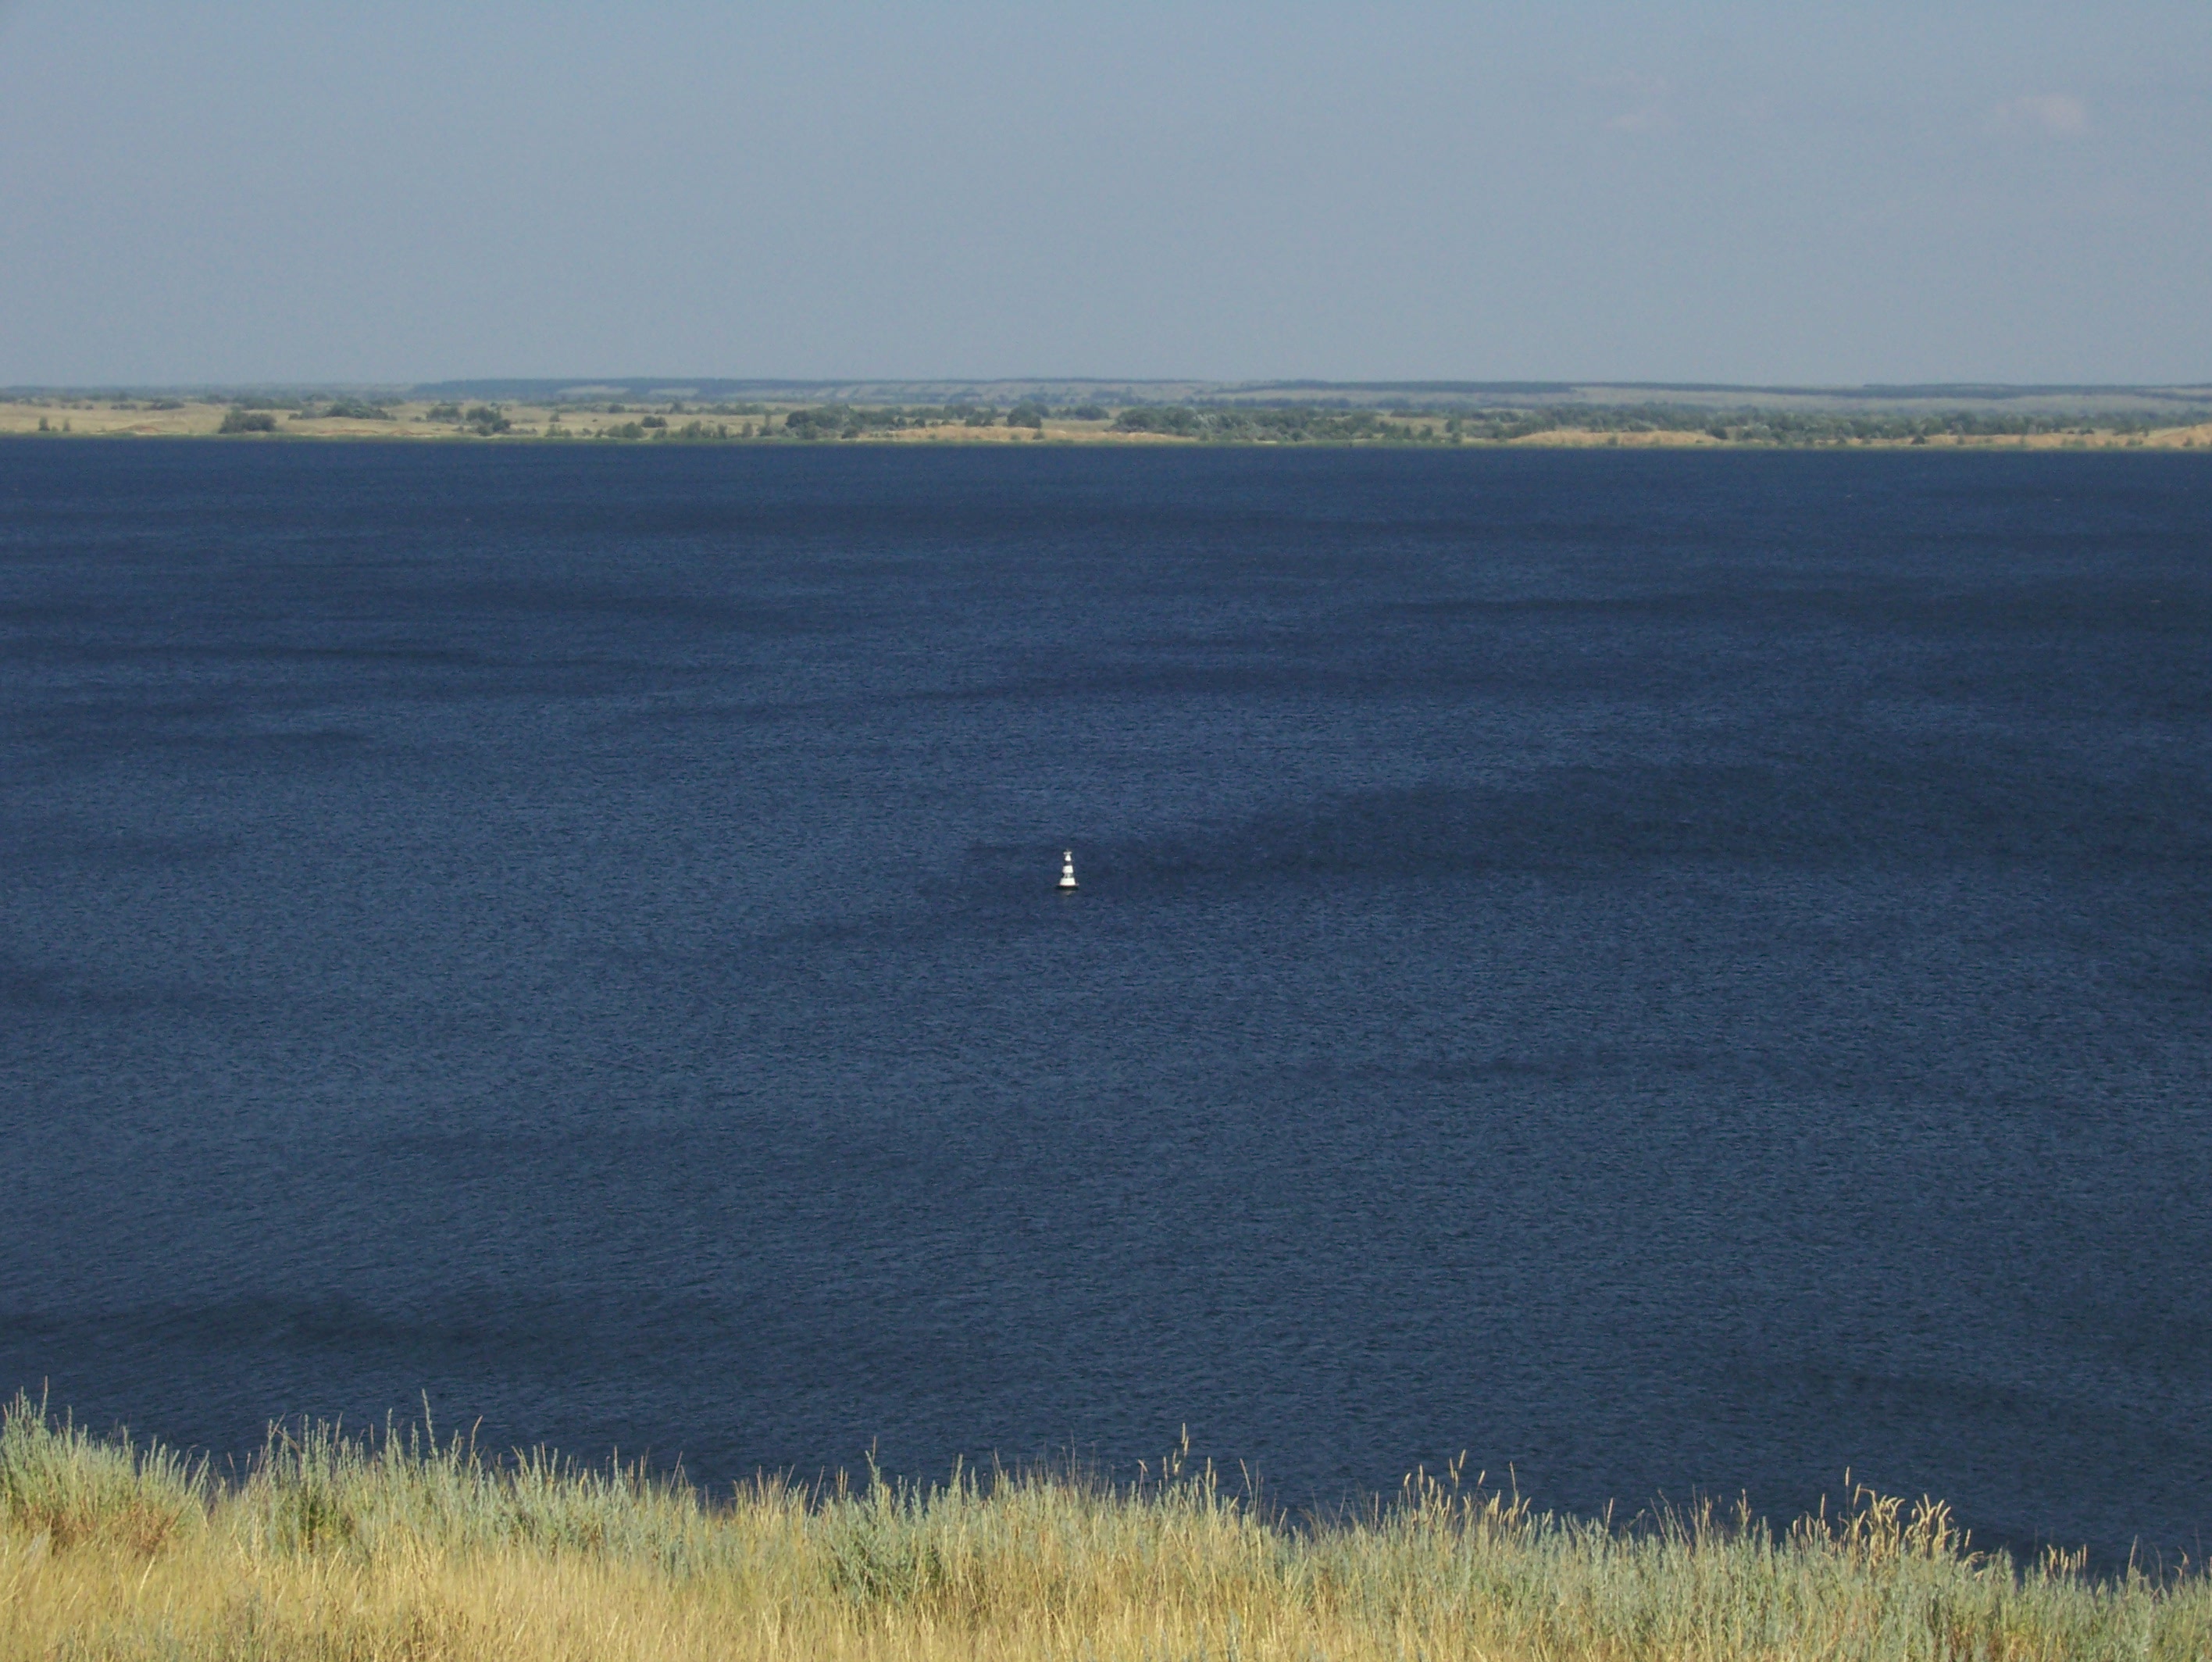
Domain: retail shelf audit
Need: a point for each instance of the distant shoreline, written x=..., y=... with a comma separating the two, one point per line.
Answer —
x=1293, y=424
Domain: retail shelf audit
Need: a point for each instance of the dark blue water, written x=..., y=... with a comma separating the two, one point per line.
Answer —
x=1672, y=972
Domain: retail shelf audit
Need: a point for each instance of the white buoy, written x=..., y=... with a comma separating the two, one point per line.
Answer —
x=1067, y=870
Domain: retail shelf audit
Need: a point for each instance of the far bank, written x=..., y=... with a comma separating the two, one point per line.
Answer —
x=674, y=421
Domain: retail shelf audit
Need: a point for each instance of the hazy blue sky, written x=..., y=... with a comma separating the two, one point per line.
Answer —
x=1885, y=191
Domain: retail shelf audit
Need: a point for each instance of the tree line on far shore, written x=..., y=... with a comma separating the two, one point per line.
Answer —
x=1308, y=423
x=1243, y=423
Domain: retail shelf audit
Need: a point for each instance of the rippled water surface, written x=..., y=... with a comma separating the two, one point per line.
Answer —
x=1669, y=972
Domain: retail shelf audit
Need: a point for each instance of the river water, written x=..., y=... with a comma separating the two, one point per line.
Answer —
x=1670, y=974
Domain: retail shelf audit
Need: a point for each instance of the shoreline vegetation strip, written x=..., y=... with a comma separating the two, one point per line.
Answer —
x=400, y=1546
x=248, y=418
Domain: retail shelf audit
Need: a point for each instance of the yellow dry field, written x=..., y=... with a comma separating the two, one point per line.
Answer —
x=1088, y=433
x=86, y=417
x=203, y=1605
x=199, y=1605
x=1569, y=438
x=1037, y=1573
x=95, y=418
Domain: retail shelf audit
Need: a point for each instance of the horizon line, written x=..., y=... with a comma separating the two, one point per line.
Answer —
x=726, y=385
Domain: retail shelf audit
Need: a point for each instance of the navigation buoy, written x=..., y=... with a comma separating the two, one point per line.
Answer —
x=1067, y=870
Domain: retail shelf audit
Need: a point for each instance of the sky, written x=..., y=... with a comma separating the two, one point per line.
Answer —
x=1760, y=194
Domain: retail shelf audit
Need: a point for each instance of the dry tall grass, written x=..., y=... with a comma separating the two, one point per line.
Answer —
x=398, y=1547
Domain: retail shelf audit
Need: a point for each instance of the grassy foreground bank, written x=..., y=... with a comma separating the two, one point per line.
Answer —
x=401, y=1547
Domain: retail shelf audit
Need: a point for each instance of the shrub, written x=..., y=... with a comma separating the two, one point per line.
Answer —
x=353, y=409
x=247, y=421
x=1181, y=420
x=825, y=422
x=58, y=1481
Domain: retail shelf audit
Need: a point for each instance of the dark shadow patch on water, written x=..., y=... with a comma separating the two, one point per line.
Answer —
x=175, y=733
x=53, y=990
x=597, y=605
x=1610, y=825
x=2120, y=605
x=2015, y=1438
x=87, y=844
